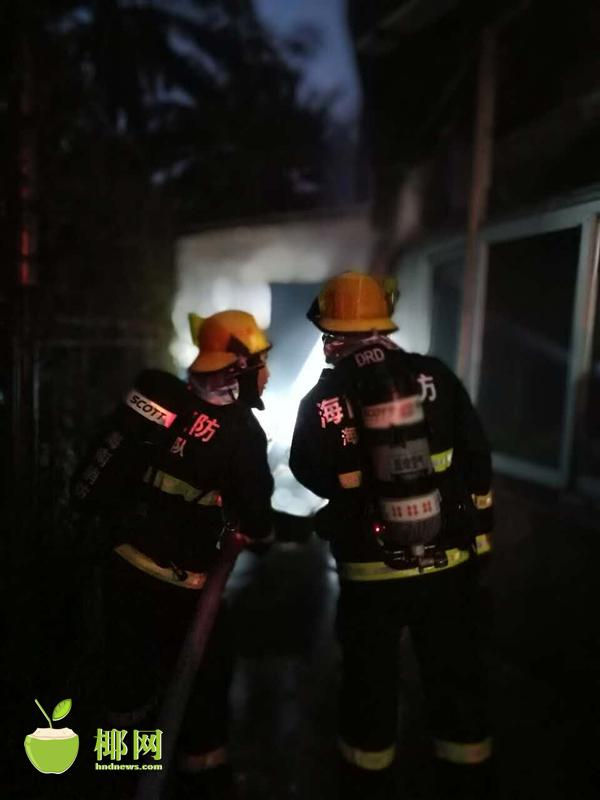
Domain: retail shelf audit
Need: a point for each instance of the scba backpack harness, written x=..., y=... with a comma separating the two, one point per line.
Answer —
x=404, y=501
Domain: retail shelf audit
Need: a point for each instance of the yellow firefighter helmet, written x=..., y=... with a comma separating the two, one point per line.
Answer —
x=226, y=338
x=354, y=303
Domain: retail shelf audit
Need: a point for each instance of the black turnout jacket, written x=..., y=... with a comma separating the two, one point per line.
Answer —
x=212, y=466
x=325, y=447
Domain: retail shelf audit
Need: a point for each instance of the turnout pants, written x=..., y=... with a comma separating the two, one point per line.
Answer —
x=447, y=614
x=145, y=624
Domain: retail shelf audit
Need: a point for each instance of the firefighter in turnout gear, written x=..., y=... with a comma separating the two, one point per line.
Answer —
x=206, y=467
x=392, y=440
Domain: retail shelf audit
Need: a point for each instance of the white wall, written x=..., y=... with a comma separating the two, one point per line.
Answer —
x=232, y=267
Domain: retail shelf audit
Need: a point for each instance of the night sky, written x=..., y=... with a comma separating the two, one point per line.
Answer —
x=331, y=67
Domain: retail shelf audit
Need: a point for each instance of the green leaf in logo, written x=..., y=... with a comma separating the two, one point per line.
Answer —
x=61, y=709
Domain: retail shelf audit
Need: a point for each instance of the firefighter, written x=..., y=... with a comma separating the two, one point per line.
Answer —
x=392, y=440
x=209, y=467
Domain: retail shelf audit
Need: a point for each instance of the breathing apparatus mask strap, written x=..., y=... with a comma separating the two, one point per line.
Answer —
x=248, y=383
x=337, y=346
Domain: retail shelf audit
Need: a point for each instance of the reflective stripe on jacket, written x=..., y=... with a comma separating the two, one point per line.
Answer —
x=326, y=457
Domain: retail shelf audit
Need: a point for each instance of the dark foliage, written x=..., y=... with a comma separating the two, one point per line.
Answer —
x=149, y=117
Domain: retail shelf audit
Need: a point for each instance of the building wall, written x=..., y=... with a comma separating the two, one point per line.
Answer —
x=534, y=370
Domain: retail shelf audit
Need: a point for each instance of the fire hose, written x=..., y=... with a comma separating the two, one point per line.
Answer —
x=152, y=785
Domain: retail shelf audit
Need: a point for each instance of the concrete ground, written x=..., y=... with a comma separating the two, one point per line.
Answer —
x=543, y=669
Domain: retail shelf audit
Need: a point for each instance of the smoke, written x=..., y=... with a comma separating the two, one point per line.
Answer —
x=272, y=271
x=278, y=419
x=235, y=267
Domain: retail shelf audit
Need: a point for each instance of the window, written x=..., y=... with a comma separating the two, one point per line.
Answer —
x=588, y=449
x=526, y=344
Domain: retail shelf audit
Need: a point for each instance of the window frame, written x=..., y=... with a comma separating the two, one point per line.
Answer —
x=590, y=317
x=586, y=217
x=561, y=214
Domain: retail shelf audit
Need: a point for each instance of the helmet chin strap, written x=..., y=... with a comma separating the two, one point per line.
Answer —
x=229, y=385
x=214, y=388
x=248, y=383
